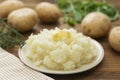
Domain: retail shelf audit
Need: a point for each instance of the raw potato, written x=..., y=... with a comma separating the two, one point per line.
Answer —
x=48, y=12
x=8, y=6
x=23, y=19
x=114, y=38
x=96, y=25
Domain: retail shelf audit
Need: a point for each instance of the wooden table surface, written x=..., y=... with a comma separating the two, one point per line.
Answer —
x=108, y=69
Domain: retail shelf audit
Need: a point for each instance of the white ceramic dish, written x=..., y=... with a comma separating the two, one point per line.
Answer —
x=94, y=63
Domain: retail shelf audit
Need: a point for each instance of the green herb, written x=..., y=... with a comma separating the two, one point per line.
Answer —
x=75, y=10
x=9, y=37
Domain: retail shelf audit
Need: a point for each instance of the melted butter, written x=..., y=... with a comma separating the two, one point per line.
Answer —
x=62, y=36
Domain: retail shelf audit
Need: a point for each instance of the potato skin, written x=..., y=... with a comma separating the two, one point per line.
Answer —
x=95, y=25
x=48, y=12
x=23, y=19
x=8, y=6
x=114, y=38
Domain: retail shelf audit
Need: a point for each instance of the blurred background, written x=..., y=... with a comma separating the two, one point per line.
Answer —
x=32, y=3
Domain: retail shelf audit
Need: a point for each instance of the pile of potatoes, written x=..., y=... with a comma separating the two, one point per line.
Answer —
x=97, y=25
x=23, y=18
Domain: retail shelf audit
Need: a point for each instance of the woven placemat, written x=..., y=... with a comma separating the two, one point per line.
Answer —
x=11, y=68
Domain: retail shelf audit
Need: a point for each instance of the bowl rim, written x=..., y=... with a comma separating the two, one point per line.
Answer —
x=86, y=67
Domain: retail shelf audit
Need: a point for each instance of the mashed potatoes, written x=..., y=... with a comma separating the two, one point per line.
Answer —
x=60, y=49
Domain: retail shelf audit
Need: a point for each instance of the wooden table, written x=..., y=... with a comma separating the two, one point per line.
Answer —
x=108, y=69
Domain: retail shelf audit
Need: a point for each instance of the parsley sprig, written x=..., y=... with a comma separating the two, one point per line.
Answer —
x=75, y=10
x=9, y=37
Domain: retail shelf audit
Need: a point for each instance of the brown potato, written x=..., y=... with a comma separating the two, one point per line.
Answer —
x=96, y=25
x=48, y=12
x=8, y=6
x=23, y=19
x=114, y=38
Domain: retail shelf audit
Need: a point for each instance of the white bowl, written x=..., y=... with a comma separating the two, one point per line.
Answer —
x=86, y=67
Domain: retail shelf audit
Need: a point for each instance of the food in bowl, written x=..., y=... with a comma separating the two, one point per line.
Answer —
x=58, y=49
